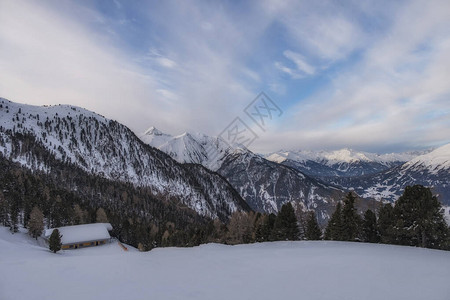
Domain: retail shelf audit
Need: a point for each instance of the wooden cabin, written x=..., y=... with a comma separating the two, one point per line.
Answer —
x=81, y=236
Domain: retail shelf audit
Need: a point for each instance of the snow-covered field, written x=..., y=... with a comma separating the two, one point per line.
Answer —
x=281, y=270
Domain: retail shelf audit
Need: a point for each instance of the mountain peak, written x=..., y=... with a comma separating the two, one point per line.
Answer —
x=153, y=131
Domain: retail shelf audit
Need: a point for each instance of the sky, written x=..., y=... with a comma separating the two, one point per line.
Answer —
x=367, y=75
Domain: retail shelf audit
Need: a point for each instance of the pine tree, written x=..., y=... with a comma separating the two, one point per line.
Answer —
x=350, y=219
x=370, y=228
x=36, y=223
x=14, y=217
x=313, y=231
x=265, y=228
x=386, y=223
x=55, y=241
x=101, y=216
x=333, y=230
x=285, y=227
x=3, y=210
x=419, y=219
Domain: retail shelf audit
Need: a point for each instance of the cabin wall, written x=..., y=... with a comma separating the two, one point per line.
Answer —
x=83, y=244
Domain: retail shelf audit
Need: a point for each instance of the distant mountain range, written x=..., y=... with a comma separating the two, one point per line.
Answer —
x=431, y=169
x=371, y=175
x=341, y=163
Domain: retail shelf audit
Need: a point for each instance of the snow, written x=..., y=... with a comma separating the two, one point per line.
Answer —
x=155, y=137
x=194, y=148
x=279, y=270
x=341, y=156
x=436, y=160
x=82, y=233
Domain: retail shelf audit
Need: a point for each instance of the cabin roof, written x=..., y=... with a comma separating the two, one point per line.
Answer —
x=82, y=233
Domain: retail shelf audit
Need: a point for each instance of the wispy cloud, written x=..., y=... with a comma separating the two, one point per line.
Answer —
x=302, y=68
x=364, y=74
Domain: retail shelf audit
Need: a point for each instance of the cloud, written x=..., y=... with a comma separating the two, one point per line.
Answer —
x=395, y=97
x=302, y=68
x=50, y=58
x=322, y=28
x=300, y=61
x=358, y=74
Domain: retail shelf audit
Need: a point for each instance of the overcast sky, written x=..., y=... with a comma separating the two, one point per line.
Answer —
x=369, y=75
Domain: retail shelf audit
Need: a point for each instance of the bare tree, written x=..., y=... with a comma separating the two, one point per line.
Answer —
x=36, y=223
x=101, y=216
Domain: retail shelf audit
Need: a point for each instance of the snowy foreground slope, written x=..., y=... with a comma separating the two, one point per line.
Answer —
x=281, y=270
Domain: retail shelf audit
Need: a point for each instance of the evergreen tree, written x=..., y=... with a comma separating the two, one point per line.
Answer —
x=55, y=241
x=285, y=227
x=386, y=223
x=101, y=216
x=265, y=228
x=370, y=228
x=350, y=219
x=36, y=223
x=14, y=217
x=313, y=231
x=3, y=210
x=419, y=219
x=333, y=230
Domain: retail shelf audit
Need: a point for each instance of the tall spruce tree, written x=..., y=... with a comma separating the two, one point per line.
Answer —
x=36, y=223
x=419, y=219
x=285, y=227
x=265, y=229
x=14, y=216
x=313, y=231
x=350, y=219
x=370, y=228
x=3, y=210
x=54, y=241
x=333, y=230
x=386, y=222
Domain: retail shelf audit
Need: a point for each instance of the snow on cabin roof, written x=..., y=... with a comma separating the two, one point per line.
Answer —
x=82, y=233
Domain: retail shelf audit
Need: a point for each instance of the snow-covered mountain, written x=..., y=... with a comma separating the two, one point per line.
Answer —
x=193, y=148
x=431, y=169
x=344, y=162
x=264, y=185
x=107, y=148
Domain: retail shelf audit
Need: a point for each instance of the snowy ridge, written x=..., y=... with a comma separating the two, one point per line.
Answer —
x=340, y=156
x=109, y=149
x=434, y=161
x=196, y=148
x=344, y=162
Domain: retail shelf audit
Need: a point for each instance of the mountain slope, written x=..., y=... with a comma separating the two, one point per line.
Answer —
x=264, y=185
x=431, y=169
x=195, y=148
x=100, y=146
